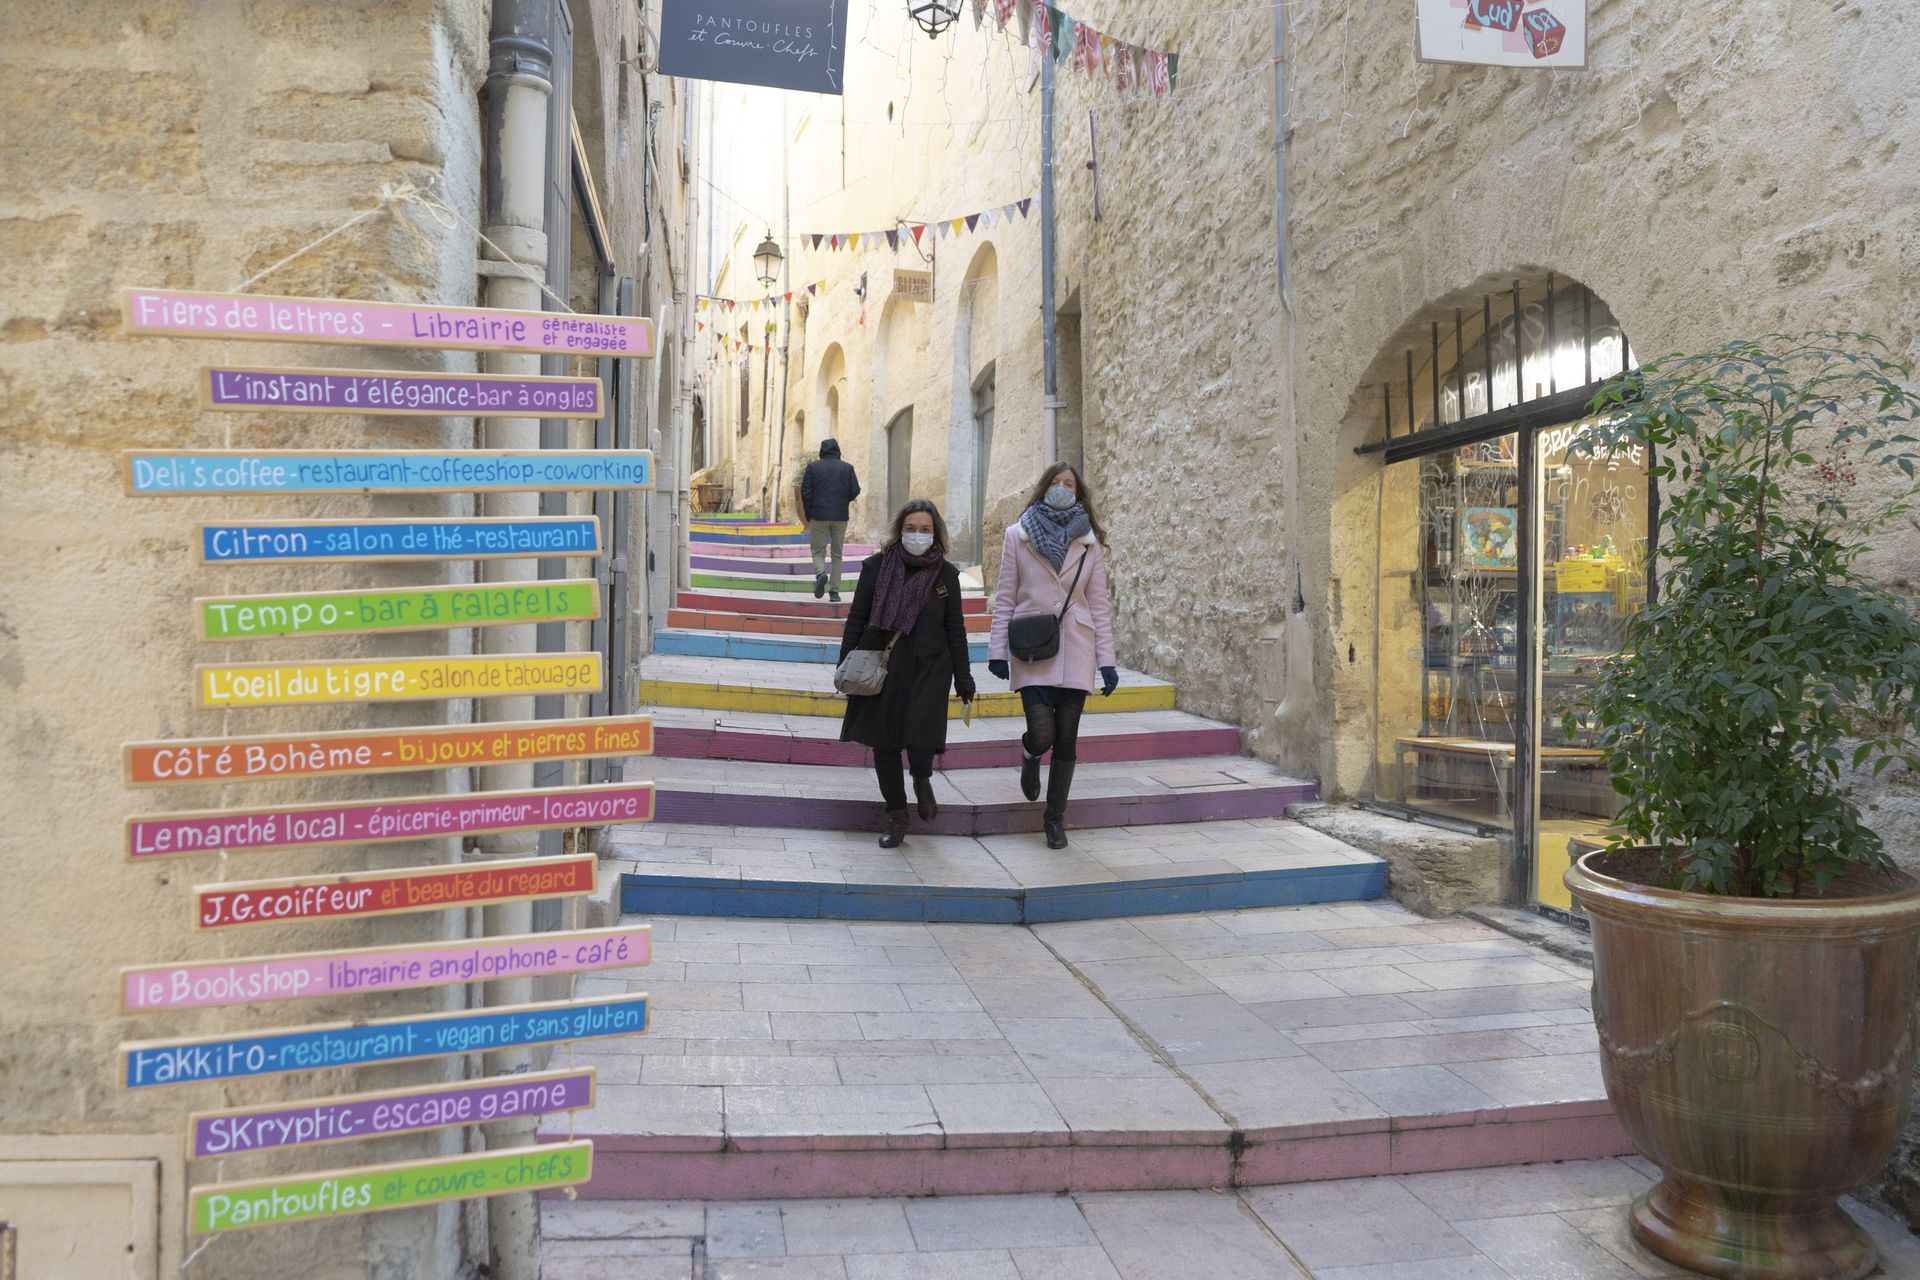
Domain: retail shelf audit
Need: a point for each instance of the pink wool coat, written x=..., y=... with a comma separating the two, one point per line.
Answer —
x=1028, y=584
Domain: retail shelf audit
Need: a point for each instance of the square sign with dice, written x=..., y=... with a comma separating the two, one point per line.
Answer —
x=1503, y=33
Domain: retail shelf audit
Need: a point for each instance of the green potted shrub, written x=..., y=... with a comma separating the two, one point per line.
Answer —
x=1754, y=944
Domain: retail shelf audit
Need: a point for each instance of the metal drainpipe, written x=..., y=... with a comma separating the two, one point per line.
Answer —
x=1050, y=440
x=518, y=95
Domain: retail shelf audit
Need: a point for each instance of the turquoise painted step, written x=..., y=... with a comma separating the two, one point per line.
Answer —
x=727, y=644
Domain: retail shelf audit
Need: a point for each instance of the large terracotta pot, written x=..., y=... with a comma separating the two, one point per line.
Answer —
x=1758, y=1051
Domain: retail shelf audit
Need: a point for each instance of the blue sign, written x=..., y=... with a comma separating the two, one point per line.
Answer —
x=157, y=472
x=346, y=1044
x=278, y=541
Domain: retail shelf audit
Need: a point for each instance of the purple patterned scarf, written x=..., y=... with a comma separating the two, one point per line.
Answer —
x=899, y=595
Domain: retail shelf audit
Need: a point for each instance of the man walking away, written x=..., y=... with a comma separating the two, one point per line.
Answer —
x=827, y=490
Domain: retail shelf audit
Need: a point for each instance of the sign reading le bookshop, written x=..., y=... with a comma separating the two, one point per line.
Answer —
x=1502, y=33
x=784, y=44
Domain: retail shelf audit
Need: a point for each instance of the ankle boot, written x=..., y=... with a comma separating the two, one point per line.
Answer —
x=923, y=792
x=819, y=585
x=1029, y=775
x=1059, y=783
x=896, y=832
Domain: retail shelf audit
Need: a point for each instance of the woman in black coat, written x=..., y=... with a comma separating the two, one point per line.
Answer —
x=907, y=589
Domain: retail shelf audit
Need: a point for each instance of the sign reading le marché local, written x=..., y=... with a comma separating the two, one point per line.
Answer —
x=785, y=44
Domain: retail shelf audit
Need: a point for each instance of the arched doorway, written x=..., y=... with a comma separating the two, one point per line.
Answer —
x=899, y=461
x=1507, y=564
x=976, y=347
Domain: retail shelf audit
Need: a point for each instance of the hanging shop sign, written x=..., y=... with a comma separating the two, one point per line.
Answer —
x=157, y=473
x=193, y=1059
x=338, y=321
x=303, y=826
x=302, y=613
x=302, y=975
x=394, y=541
x=396, y=679
x=354, y=1117
x=274, y=756
x=1502, y=33
x=264, y=1202
x=381, y=893
x=468, y=395
x=784, y=44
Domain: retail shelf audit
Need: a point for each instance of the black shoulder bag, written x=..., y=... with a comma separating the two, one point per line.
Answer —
x=1035, y=637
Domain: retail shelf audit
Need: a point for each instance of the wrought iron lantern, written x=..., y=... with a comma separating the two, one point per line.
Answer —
x=767, y=259
x=934, y=16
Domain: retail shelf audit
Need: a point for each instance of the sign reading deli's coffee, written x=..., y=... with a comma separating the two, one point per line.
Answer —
x=784, y=44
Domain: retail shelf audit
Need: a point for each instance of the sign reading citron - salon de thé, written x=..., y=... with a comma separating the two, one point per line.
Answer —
x=262, y=1202
x=302, y=613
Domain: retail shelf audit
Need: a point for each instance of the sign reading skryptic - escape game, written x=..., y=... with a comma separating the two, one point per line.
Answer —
x=379, y=893
x=350, y=1117
x=786, y=44
x=182, y=314
x=386, y=541
x=261, y=1202
x=155, y=472
x=1502, y=33
x=469, y=395
x=396, y=679
x=302, y=613
x=229, y=1056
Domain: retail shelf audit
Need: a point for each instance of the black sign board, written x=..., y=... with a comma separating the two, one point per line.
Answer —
x=786, y=44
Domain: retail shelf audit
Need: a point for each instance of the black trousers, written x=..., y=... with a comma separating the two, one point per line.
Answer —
x=893, y=784
x=1053, y=722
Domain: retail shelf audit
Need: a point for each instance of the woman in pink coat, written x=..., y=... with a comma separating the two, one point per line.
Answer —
x=1054, y=562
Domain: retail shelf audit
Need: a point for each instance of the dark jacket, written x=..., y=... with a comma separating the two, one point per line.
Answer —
x=828, y=486
x=911, y=710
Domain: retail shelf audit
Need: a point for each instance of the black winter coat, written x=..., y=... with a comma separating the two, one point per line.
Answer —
x=828, y=486
x=911, y=710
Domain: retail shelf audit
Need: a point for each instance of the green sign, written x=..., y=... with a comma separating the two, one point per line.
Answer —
x=404, y=609
x=265, y=1202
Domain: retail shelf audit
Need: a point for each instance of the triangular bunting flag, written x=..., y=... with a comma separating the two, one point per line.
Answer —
x=1026, y=11
x=788, y=299
x=812, y=289
x=972, y=220
x=918, y=229
x=893, y=239
x=1026, y=205
x=1002, y=11
x=958, y=223
x=816, y=241
x=979, y=13
x=853, y=240
x=1173, y=72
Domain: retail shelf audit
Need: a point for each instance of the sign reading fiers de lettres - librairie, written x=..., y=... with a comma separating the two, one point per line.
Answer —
x=784, y=44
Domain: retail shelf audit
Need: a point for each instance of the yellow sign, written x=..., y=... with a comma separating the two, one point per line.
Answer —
x=282, y=684
x=1583, y=575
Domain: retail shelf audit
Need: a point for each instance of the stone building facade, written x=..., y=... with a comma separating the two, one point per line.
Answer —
x=203, y=145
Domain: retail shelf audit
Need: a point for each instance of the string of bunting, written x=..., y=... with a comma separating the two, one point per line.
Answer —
x=916, y=232
x=1080, y=46
x=708, y=301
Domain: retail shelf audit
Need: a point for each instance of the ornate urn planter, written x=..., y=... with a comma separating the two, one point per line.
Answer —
x=1758, y=1050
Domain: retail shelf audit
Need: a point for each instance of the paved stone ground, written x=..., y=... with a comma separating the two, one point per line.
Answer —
x=1528, y=1222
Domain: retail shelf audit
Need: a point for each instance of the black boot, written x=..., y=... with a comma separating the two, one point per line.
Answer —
x=896, y=829
x=1029, y=775
x=923, y=792
x=819, y=585
x=1059, y=783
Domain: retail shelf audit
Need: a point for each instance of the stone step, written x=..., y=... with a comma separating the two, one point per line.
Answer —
x=792, y=688
x=987, y=743
x=793, y=1059
x=853, y=551
x=709, y=870
x=973, y=802
x=771, y=624
x=784, y=604
x=771, y=648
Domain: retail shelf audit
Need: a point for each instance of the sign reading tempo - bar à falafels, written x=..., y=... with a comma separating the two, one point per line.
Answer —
x=339, y=321
x=303, y=613
x=376, y=822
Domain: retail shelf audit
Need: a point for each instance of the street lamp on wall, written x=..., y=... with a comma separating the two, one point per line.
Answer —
x=934, y=16
x=767, y=259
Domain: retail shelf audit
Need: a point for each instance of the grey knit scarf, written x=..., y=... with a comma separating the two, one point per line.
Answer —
x=1052, y=532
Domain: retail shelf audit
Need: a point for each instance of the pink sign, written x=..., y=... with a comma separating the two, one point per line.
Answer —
x=340, y=322
x=427, y=964
x=372, y=822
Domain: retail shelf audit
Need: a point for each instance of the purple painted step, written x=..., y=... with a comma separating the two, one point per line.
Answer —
x=852, y=551
x=744, y=564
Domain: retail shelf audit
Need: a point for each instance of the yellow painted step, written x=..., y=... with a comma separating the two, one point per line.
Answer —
x=812, y=702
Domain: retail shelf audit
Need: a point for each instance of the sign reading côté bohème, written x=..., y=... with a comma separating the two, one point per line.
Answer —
x=304, y=613
x=187, y=314
x=395, y=541
x=151, y=473
x=357, y=894
x=236, y=388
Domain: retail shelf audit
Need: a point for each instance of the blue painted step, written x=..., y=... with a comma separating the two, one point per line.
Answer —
x=727, y=644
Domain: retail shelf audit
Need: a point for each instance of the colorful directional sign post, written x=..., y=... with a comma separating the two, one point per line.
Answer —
x=466, y=395
x=380, y=893
x=394, y=541
x=166, y=473
x=396, y=679
x=306, y=613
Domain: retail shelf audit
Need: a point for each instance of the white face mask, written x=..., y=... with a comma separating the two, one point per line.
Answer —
x=917, y=544
x=1059, y=497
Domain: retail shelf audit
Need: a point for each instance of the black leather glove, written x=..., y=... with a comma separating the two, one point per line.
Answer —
x=999, y=667
x=1109, y=681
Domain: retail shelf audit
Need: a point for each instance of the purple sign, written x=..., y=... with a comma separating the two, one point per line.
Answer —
x=376, y=1115
x=475, y=395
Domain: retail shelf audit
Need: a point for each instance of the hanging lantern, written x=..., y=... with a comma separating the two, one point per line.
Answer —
x=934, y=16
x=767, y=259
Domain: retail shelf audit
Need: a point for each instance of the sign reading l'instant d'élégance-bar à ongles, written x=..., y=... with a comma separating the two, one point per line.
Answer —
x=784, y=44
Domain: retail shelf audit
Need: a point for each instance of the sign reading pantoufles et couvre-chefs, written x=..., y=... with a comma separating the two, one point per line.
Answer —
x=785, y=44
x=238, y=540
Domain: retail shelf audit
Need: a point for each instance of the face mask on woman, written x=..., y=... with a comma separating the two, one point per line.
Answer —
x=1059, y=497
x=916, y=544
